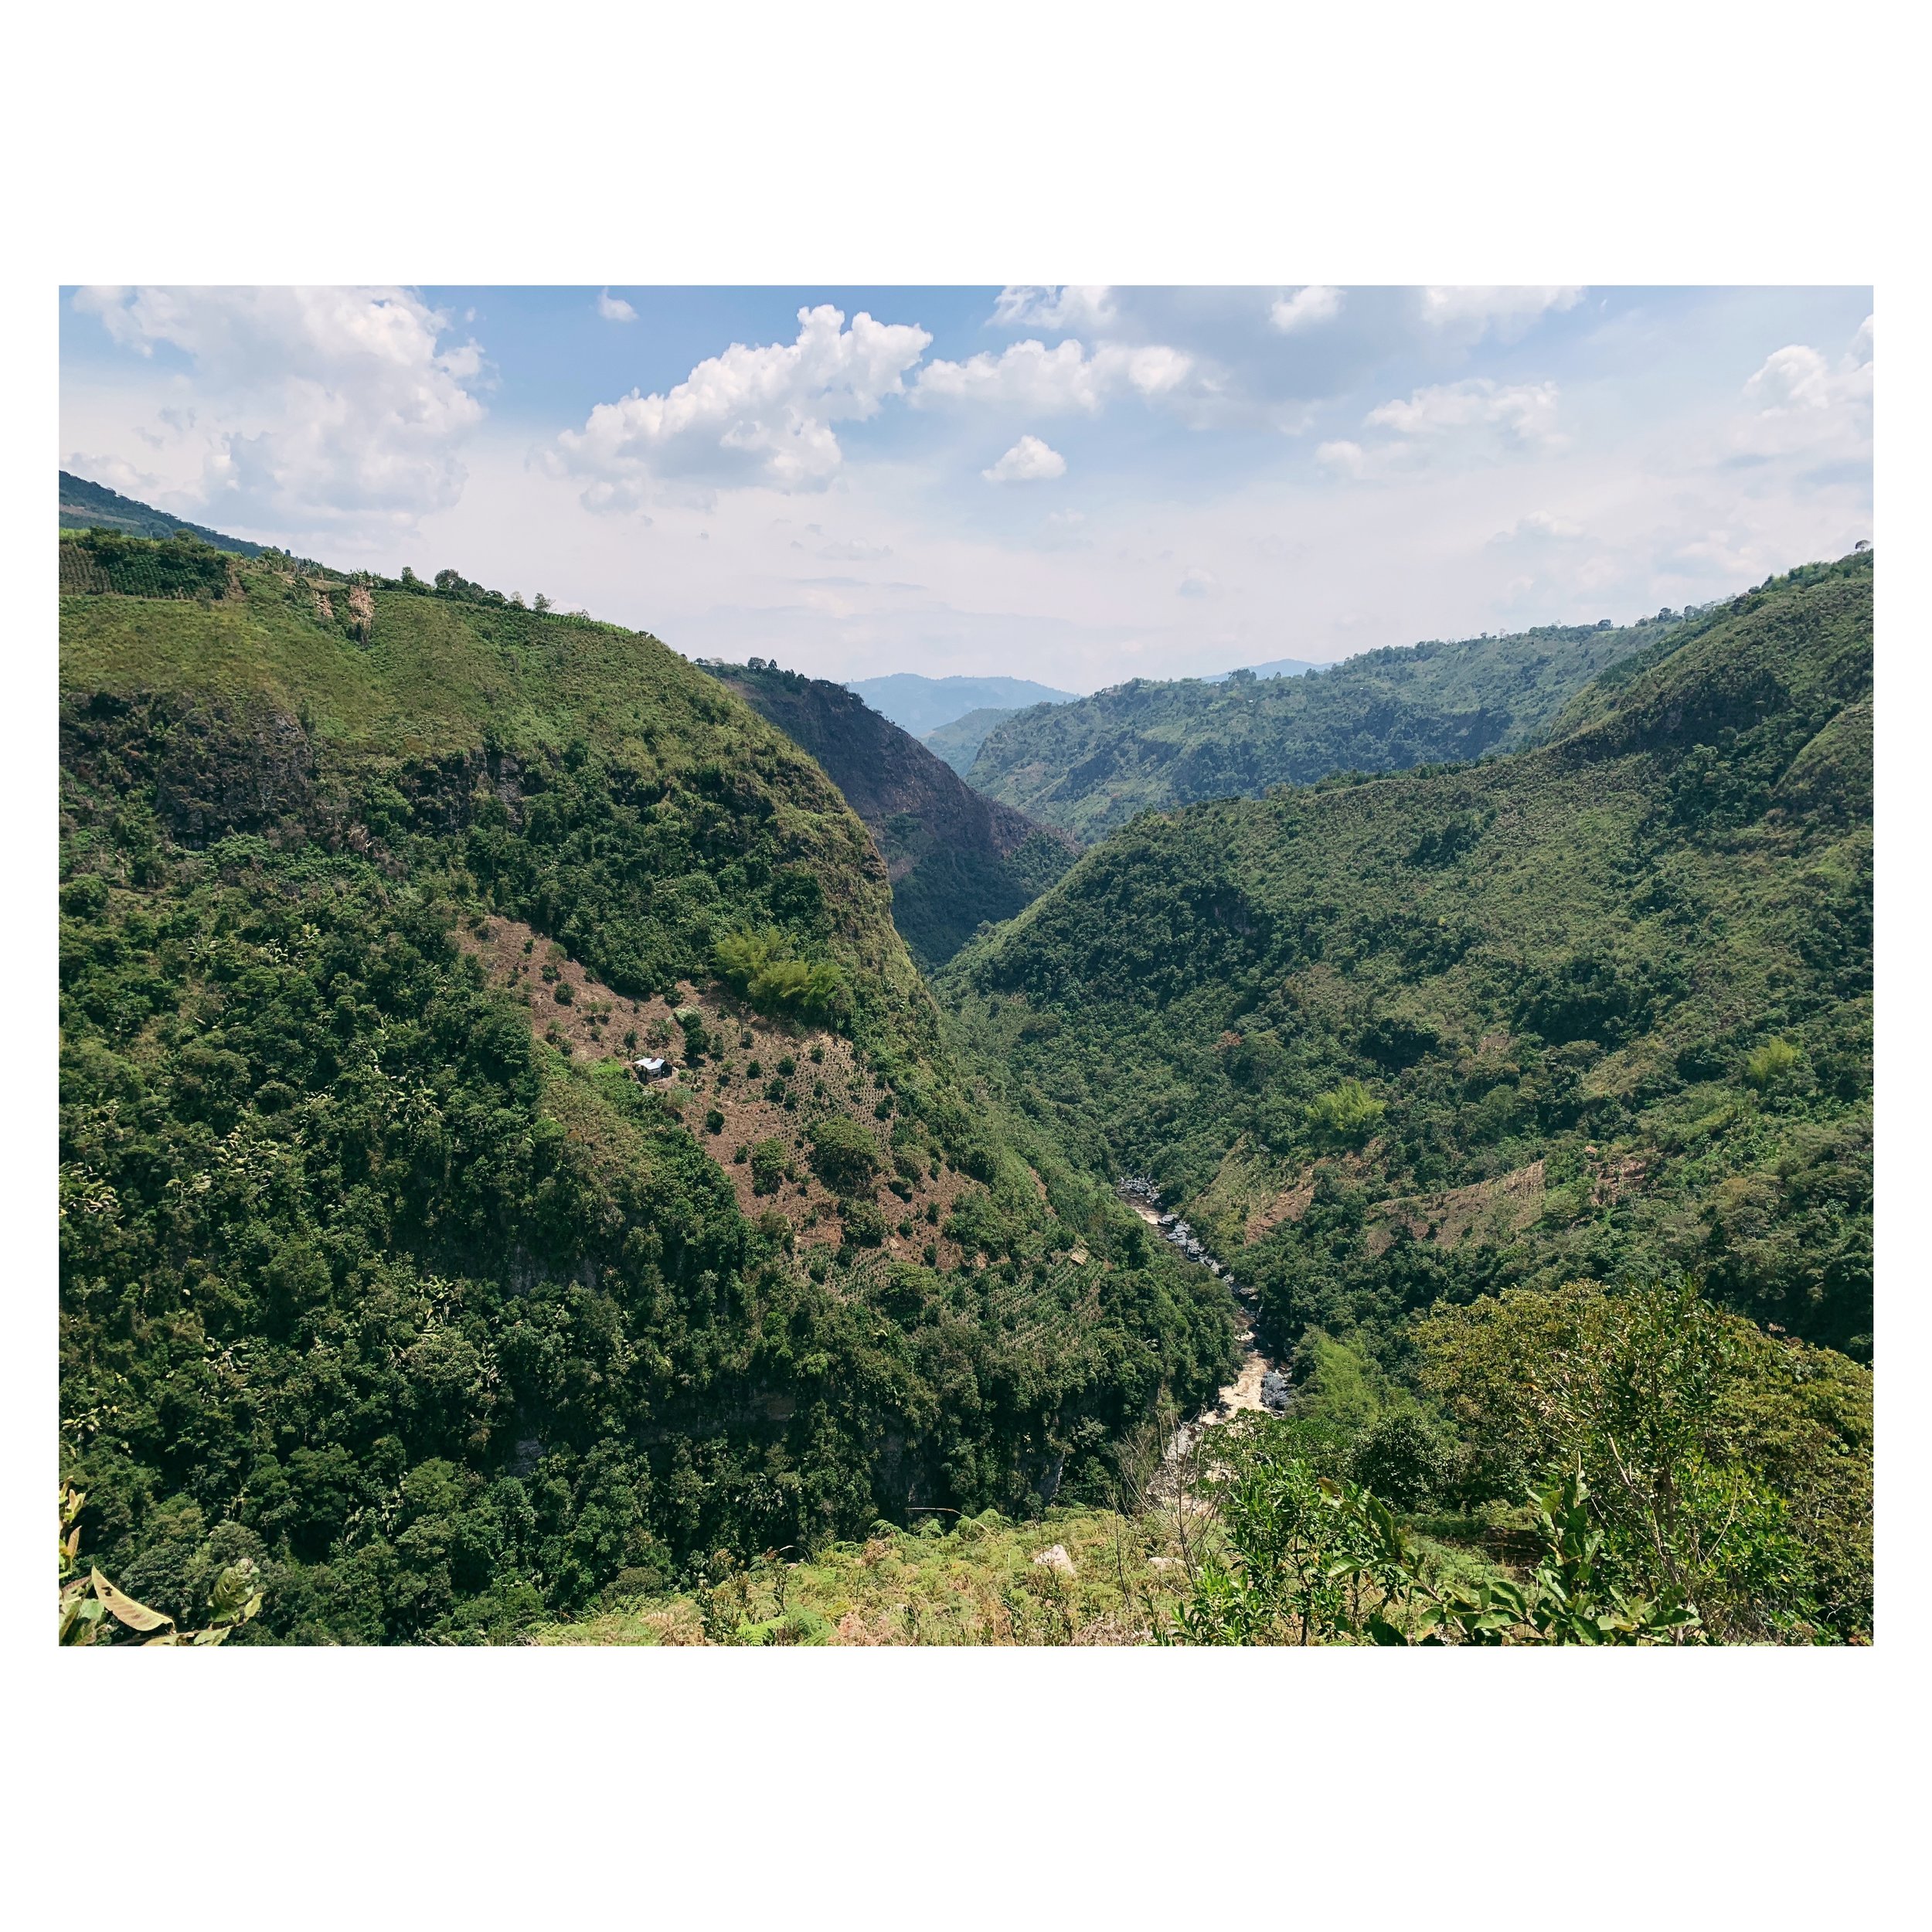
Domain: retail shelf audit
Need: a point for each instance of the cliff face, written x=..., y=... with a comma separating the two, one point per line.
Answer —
x=955, y=858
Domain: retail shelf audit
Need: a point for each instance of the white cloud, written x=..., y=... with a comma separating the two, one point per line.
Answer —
x=1030, y=460
x=748, y=417
x=1524, y=412
x=614, y=308
x=1803, y=403
x=1059, y=309
x=1470, y=313
x=1340, y=458
x=855, y=550
x=1030, y=375
x=314, y=407
x=1306, y=308
x=1539, y=526
x=1197, y=583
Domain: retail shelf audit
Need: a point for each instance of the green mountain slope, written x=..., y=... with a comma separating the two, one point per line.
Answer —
x=955, y=860
x=378, y=1265
x=958, y=743
x=85, y=505
x=1599, y=1006
x=1089, y=767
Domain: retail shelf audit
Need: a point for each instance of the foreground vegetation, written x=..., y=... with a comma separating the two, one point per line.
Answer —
x=1583, y=1468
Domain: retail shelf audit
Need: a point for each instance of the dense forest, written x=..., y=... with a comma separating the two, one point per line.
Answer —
x=956, y=859
x=380, y=1268
x=1089, y=767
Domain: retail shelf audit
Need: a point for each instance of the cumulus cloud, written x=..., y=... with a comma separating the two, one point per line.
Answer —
x=1470, y=313
x=1804, y=402
x=314, y=407
x=1305, y=308
x=855, y=550
x=1058, y=309
x=1340, y=458
x=1059, y=380
x=1030, y=460
x=1523, y=412
x=1197, y=583
x=751, y=416
x=614, y=308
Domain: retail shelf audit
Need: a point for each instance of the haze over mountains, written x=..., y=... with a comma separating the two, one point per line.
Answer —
x=919, y=704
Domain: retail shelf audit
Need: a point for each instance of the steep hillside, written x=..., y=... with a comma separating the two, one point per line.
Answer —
x=379, y=1264
x=1089, y=767
x=958, y=742
x=920, y=704
x=955, y=860
x=85, y=505
x=1601, y=1006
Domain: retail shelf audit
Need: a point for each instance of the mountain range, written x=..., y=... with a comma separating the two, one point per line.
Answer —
x=546, y=1125
x=1089, y=767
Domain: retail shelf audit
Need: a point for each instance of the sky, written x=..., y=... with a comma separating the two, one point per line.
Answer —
x=1078, y=485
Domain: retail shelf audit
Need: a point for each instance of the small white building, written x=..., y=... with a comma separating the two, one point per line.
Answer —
x=651, y=1069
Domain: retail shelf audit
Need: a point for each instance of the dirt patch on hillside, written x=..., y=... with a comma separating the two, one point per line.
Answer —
x=1290, y=1205
x=1495, y=1210
x=571, y=1009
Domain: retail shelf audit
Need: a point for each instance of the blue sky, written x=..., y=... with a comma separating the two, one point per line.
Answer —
x=1074, y=485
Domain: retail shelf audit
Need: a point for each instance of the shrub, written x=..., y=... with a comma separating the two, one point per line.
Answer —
x=1771, y=1062
x=761, y=966
x=767, y=1166
x=1404, y=1461
x=713, y=1121
x=1346, y=1116
x=843, y=1156
x=864, y=1226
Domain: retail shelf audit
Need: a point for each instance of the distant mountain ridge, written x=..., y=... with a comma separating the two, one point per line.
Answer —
x=955, y=859
x=1090, y=766
x=958, y=742
x=85, y=505
x=1275, y=667
x=919, y=704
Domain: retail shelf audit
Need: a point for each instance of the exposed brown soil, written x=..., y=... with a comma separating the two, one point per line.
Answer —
x=1290, y=1205
x=1488, y=1210
x=595, y=1023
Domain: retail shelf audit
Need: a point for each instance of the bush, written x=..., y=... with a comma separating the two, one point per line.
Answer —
x=767, y=1166
x=713, y=1121
x=864, y=1226
x=1404, y=1461
x=1770, y=1063
x=1346, y=1116
x=843, y=1156
x=762, y=967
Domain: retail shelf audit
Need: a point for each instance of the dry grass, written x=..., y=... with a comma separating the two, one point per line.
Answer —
x=978, y=1584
